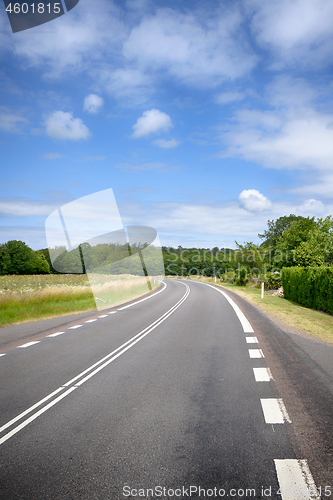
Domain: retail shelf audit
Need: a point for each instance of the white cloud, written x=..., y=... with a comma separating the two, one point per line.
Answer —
x=195, y=48
x=11, y=121
x=298, y=31
x=166, y=144
x=151, y=121
x=292, y=134
x=311, y=207
x=51, y=156
x=301, y=141
x=92, y=103
x=130, y=85
x=127, y=54
x=61, y=125
x=21, y=207
x=253, y=201
x=82, y=39
x=228, y=97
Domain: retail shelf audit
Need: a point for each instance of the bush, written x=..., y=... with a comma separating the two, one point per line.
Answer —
x=241, y=278
x=272, y=281
x=309, y=286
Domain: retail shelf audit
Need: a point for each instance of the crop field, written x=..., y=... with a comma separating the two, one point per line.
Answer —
x=34, y=297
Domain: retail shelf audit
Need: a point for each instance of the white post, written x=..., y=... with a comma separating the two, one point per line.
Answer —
x=262, y=289
x=215, y=279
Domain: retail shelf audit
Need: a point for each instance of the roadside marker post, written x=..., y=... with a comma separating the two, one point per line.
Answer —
x=262, y=289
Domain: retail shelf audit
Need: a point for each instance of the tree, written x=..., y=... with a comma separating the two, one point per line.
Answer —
x=17, y=258
x=276, y=229
x=317, y=250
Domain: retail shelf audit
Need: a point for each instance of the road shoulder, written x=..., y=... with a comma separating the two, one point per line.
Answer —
x=318, y=350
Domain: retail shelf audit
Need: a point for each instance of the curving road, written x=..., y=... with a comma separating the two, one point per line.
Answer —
x=191, y=393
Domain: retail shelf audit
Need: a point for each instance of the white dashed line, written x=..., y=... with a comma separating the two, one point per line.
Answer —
x=295, y=480
x=29, y=344
x=73, y=327
x=262, y=374
x=90, y=320
x=2, y=355
x=102, y=363
x=55, y=334
x=274, y=411
x=103, y=316
x=251, y=340
x=113, y=312
x=256, y=353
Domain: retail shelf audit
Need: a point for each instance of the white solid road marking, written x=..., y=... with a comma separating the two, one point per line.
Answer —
x=240, y=315
x=295, y=480
x=262, y=374
x=146, y=298
x=110, y=357
x=256, y=353
x=274, y=411
x=251, y=340
x=29, y=344
x=55, y=334
x=30, y=419
x=73, y=327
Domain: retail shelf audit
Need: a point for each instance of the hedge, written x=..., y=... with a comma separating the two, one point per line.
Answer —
x=309, y=286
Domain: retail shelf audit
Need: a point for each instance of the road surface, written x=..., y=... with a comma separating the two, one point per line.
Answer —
x=190, y=393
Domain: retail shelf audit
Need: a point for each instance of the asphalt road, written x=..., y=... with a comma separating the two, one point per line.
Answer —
x=182, y=395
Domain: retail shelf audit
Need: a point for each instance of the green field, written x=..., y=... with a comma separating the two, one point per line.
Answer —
x=31, y=298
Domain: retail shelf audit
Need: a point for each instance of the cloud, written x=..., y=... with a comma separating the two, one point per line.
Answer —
x=51, y=156
x=292, y=142
x=253, y=201
x=196, y=48
x=82, y=39
x=92, y=103
x=290, y=134
x=311, y=207
x=150, y=122
x=128, y=53
x=22, y=207
x=228, y=97
x=61, y=125
x=166, y=144
x=296, y=31
x=11, y=121
x=130, y=85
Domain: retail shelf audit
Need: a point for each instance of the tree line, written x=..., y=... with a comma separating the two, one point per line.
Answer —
x=288, y=241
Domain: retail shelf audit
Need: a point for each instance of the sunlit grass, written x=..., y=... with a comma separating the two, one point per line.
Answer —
x=44, y=303
x=30, y=298
x=316, y=323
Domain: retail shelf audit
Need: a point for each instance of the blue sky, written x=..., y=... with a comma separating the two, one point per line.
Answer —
x=206, y=118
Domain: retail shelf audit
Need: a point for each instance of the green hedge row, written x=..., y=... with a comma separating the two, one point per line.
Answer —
x=309, y=286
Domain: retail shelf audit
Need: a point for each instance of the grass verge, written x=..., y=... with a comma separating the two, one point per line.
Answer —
x=24, y=299
x=44, y=304
x=315, y=323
